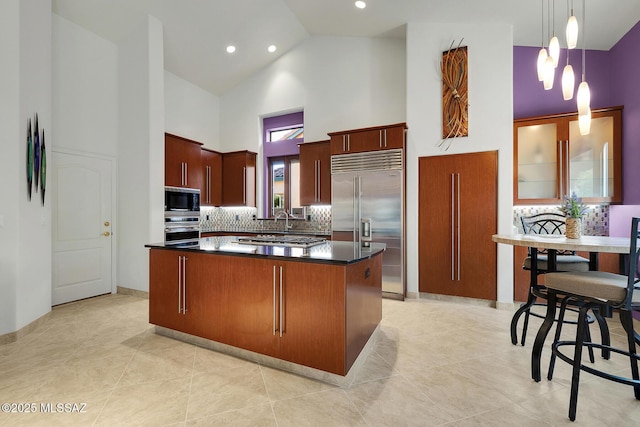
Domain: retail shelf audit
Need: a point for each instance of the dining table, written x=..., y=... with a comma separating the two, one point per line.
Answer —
x=554, y=243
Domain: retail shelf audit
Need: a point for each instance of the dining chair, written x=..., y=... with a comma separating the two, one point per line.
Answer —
x=551, y=224
x=595, y=289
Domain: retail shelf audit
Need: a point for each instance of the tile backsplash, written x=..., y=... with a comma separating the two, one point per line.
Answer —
x=245, y=219
x=594, y=223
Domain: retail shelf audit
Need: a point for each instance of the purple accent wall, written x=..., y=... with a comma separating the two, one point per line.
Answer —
x=530, y=98
x=625, y=90
x=613, y=80
x=282, y=148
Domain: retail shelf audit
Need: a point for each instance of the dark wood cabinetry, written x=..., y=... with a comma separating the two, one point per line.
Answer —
x=457, y=217
x=313, y=314
x=552, y=159
x=182, y=162
x=211, y=190
x=368, y=139
x=239, y=178
x=315, y=173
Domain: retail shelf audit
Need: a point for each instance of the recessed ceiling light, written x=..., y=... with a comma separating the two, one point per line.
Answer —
x=360, y=4
x=272, y=48
x=231, y=48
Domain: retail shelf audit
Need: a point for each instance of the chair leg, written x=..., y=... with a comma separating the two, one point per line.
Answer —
x=604, y=333
x=627, y=323
x=552, y=361
x=577, y=362
x=587, y=335
x=524, y=308
x=538, y=344
x=525, y=326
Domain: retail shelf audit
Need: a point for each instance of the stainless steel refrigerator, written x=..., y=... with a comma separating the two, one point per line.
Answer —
x=367, y=205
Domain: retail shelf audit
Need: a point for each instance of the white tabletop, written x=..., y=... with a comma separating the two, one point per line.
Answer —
x=616, y=245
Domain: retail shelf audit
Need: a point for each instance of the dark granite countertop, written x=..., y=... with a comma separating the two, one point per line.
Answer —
x=330, y=252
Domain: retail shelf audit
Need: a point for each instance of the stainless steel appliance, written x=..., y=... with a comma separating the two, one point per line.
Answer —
x=367, y=205
x=181, y=216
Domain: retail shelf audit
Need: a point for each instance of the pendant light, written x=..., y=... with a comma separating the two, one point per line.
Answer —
x=584, y=94
x=549, y=63
x=572, y=29
x=554, y=44
x=542, y=55
x=568, y=77
x=568, y=80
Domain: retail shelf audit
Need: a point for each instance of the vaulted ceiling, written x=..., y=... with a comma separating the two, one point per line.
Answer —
x=196, y=32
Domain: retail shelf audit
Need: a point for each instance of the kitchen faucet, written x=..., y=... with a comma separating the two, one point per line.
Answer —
x=287, y=227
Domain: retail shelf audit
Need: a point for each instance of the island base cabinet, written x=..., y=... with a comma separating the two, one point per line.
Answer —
x=319, y=315
x=313, y=316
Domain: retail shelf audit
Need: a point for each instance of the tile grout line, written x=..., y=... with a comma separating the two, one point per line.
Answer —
x=193, y=369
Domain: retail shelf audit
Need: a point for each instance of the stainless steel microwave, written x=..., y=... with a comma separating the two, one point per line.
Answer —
x=177, y=199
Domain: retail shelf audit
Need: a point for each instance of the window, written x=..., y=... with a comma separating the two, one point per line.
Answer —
x=284, y=182
x=281, y=188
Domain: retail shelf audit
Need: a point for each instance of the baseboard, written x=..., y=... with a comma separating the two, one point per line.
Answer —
x=24, y=331
x=132, y=292
x=452, y=298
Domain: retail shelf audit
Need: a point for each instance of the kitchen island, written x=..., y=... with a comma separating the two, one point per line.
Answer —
x=289, y=307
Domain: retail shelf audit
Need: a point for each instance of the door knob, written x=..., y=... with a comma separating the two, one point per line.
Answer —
x=106, y=234
x=107, y=223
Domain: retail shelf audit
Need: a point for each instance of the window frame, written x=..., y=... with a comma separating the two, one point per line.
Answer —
x=287, y=182
x=275, y=149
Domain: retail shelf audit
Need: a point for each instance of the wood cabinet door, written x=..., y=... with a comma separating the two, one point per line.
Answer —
x=457, y=217
x=394, y=137
x=165, y=289
x=211, y=189
x=315, y=173
x=239, y=179
x=313, y=316
x=182, y=162
x=252, y=312
x=338, y=144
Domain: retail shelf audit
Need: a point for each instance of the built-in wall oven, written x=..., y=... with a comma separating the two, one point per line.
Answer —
x=181, y=216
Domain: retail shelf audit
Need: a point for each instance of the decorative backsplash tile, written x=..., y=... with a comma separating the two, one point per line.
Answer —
x=244, y=219
x=594, y=223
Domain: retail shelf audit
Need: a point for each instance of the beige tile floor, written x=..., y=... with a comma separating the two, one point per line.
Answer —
x=434, y=363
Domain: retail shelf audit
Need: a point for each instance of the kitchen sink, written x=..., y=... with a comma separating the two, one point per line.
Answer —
x=287, y=241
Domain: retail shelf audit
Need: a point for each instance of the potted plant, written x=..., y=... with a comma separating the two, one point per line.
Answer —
x=574, y=210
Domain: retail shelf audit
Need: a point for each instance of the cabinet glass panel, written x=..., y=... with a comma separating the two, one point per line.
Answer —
x=537, y=161
x=591, y=159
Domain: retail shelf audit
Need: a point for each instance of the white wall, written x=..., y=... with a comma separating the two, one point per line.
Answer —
x=25, y=227
x=340, y=82
x=490, y=56
x=140, y=151
x=85, y=90
x=191, y=112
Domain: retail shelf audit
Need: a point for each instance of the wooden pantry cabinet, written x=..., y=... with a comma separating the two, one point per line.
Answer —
x=315, y=173
x=182, y=162
x=458, y=200
x=239, y=178
x=211, y=190
x=368, y=139
x=552, y=159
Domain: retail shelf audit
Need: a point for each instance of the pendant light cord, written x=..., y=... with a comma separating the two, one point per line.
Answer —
x=584, y=72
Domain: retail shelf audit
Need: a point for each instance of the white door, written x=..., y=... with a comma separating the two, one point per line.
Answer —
x=82, y=227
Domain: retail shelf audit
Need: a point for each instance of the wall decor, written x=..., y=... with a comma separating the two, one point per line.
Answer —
x=455, y=106
x=43, y=168
x=29, y=159
x=36, y=159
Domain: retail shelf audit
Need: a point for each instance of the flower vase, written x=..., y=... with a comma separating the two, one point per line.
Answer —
x=573, y=228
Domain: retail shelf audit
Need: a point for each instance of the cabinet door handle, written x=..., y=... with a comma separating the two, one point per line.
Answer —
x=344, y=143
x=349, y=142
x=207, y=175
x=184, y=285
x=275, y=328
x=244, y=185
x=453, y=262
x=179, y=284
x=186, y=174
x=380, y=138
x=458, y=231
x=319, y=180
x=385, y=138
x=561, y=169
x=281, y=306
x=182, y=173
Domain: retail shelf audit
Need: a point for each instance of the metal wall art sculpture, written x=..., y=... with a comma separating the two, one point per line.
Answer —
x=455, y=99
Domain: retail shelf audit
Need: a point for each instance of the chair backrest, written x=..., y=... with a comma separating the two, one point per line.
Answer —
x=545, y=223
x=634, y=253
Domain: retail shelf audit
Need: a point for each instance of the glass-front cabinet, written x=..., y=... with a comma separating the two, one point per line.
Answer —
x=552, y=159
